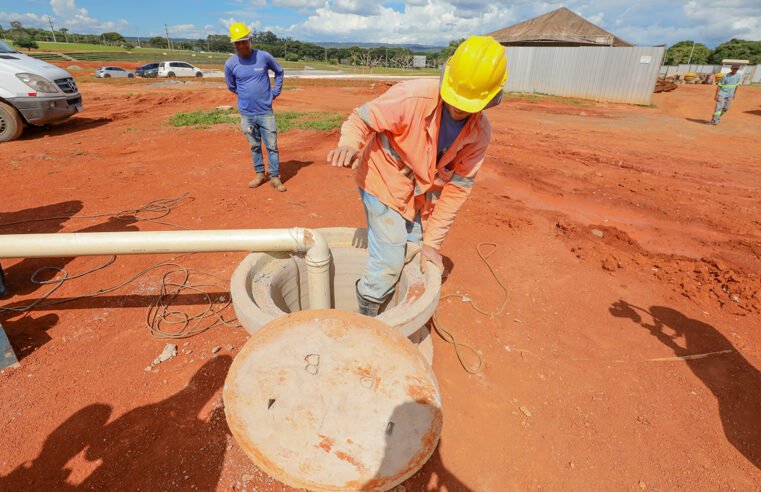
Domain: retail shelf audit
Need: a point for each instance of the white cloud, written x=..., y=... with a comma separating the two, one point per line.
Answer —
x=27, y=19
x=226, y=23
x=360, y=7
x=435, y=22
x=298, y=4
x=79, y=20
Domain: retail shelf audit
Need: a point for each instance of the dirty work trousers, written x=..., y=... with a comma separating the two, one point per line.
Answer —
x=258, y=128
x=387, y=236
x=722, y=106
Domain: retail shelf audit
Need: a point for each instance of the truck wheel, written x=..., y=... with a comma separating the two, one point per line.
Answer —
x=130, y=76
x=171, y=75
x=199, y=74
x=107, y=76
x=11, y=124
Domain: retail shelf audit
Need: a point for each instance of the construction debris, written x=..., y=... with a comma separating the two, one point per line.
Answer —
x=170, y=351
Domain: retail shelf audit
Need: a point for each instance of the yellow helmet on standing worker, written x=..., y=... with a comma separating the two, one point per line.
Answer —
x=239, y=32
x=475, y=74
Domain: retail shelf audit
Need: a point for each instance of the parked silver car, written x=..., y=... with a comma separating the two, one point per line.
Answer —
x=108, y=72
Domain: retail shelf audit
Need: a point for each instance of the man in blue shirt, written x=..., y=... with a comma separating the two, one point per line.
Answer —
x=247, y=76
x=726, y=90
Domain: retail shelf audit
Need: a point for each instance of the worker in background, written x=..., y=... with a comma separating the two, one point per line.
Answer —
x=247, y=76
x=726, y=90
x=418, y=148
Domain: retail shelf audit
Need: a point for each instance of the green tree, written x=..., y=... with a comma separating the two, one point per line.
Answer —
x=157, y=42
x=449, y=50
x=680, y=53
x=26, y=42
x=737, y=49
x=113, y=38
x=65, y=33
x=16, y=26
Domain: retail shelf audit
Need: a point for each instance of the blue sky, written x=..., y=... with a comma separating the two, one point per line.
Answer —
x=432, y=22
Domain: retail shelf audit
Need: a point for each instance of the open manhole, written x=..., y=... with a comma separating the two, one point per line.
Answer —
x=333, y=401
x=266, y=286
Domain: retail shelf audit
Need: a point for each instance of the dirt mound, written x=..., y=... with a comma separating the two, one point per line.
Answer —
x=664, y=86
x=701, y=280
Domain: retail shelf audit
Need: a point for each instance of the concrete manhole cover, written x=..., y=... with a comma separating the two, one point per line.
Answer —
x=333, y=401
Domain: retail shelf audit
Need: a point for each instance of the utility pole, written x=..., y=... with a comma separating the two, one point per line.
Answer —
x=690, y=58
x=168, y=41
x=51, y=29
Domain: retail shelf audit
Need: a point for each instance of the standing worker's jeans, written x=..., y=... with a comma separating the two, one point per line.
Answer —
x=722, y=106
x=258, y=128
x=387, y=236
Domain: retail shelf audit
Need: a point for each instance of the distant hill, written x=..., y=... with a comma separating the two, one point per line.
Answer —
x=414, y=47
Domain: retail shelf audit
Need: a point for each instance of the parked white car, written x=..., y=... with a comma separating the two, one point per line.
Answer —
x=33, y=92
x=174, y=69
x=108, y=72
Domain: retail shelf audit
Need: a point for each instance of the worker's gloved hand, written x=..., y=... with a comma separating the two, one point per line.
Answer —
x=429, y=253
x=343, y=157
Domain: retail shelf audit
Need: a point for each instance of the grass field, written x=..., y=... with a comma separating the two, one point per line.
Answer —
x=92, y=52
x=285, y=120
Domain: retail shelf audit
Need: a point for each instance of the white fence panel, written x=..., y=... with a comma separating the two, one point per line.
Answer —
x=616, y=74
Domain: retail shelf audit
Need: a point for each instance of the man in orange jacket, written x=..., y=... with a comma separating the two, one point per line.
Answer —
x=418, y=148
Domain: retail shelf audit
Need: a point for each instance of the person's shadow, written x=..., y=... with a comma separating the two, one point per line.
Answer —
x=28, y=333
x=289, y=169
x=730, y=377
x=407, y=435
x=159, y=446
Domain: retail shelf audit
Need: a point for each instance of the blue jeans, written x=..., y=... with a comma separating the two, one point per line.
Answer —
x=258, y=128
x=387, y=236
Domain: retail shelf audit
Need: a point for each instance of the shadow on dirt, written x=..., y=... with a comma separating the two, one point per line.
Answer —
x=73, y=125
x=730, y=377
x=290, y=169
x=435, y=477
x=160, y=446
x=28, y=332
x=700, y=121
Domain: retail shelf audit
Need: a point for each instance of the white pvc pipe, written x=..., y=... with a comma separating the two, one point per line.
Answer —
x=118, y=243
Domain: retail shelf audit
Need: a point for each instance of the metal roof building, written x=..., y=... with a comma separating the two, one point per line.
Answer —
x=560, y=27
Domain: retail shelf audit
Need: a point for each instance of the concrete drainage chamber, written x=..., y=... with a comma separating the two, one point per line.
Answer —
x=267, y=286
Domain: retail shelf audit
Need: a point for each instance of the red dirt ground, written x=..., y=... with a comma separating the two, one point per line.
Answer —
x=580, y=388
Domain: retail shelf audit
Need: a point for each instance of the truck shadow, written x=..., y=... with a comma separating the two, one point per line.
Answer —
x=73, y=125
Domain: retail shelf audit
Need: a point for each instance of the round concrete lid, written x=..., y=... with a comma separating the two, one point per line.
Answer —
x=333, y=401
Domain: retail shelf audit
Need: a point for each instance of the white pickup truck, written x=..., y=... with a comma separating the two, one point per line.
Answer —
x=33, y=92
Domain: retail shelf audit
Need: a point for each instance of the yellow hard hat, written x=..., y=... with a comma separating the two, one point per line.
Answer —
x=239, y=31
x=474, y=74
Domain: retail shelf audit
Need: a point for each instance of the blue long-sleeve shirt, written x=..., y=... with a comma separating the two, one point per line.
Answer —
x=249, y=78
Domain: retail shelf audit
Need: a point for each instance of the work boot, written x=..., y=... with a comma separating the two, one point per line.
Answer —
x=366, y=306
x=257, y=181
x=277, y=184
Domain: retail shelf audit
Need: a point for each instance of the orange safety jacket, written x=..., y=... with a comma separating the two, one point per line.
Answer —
x=397, y=135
